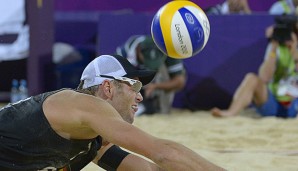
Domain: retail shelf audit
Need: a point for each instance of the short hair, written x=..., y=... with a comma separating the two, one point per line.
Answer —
x=92, y=90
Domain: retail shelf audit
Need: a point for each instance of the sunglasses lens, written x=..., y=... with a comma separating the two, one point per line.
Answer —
x=137, y=86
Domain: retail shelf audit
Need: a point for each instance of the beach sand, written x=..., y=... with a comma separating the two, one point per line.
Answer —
x=246, y=142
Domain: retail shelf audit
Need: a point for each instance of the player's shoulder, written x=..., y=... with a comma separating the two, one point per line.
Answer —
x=72, y=100
x=70, y=95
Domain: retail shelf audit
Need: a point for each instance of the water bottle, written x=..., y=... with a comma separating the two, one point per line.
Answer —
x=23, y=90
x=14, y=91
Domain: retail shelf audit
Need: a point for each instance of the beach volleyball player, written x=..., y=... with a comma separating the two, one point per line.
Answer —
x=66, y=129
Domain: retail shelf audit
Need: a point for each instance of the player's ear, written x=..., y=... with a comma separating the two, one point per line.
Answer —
x=107, y=85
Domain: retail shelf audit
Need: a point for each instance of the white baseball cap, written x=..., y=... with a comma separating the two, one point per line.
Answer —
x=113, y=66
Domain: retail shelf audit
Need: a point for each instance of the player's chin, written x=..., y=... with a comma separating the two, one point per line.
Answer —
x=130, y=119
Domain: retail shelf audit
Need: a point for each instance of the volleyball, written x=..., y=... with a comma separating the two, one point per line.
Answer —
x=180, y=29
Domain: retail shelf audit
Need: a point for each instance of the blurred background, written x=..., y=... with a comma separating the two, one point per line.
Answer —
x=49, y=42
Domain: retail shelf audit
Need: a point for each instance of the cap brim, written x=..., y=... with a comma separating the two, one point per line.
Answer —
x=145, y=76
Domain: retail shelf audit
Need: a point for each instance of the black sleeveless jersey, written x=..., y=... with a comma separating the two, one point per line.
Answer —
x=27, y=141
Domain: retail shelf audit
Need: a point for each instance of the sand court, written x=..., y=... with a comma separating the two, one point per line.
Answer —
x=246, y=142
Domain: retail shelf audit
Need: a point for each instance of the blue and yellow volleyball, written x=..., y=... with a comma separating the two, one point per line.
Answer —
x=180, y=29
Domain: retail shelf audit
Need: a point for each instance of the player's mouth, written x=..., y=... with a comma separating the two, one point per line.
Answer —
x=134, y=108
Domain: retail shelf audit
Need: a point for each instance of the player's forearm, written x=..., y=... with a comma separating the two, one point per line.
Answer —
x=174, y=156
x=133, y=162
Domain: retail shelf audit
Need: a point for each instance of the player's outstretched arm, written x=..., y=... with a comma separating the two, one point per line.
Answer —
x=111, y=157
x=166, y=154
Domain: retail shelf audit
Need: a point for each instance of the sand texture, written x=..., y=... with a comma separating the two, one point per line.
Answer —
x=243, y=143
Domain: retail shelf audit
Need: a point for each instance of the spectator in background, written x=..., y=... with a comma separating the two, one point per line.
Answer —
x=14, y=44
x=274, y=90
x=142, y=52
x=284, y=7
x=230, y=7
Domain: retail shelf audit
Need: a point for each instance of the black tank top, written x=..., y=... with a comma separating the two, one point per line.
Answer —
x=27, y=141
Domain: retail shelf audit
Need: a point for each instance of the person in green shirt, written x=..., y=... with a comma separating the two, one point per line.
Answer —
x=141, y=51
x=274, y=91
